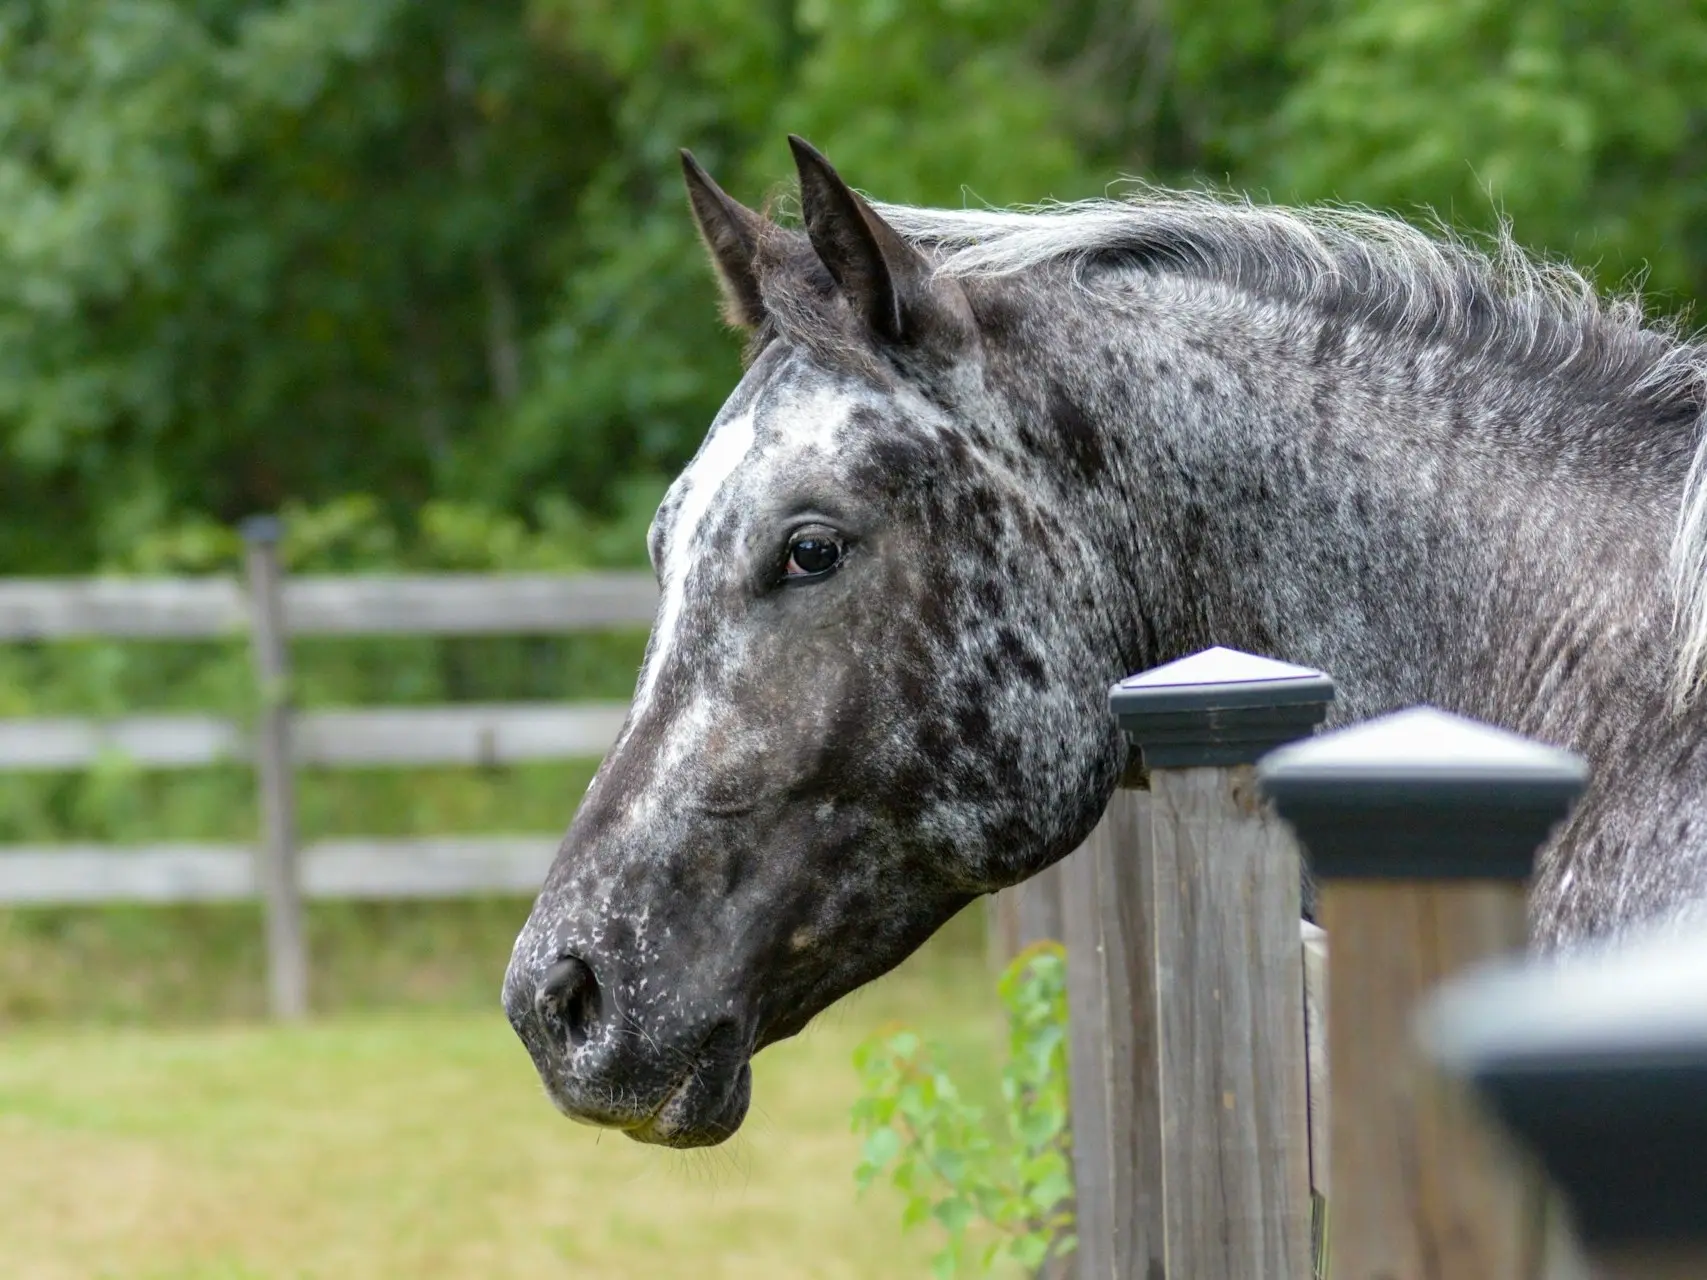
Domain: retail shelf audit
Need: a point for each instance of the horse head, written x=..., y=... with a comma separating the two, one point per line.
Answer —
x=874, y=689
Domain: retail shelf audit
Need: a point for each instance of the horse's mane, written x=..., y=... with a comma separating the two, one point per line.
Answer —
x=1501, y=305
x=1361, y=265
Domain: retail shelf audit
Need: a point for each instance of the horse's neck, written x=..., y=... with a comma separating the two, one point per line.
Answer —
x=1404, y=523
x=1425, y=531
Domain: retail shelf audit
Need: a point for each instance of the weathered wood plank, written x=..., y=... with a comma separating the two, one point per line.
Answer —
x=1132, y=1062
x=1423, y=1185
x=470, y=734
x=468, y=604
x=137, y=608
x=1112, y=1065
x=483, y=734
x=1235, y=1131
x=1315, y=942
x=91, y=874
x=156, y=742
x=436, y=604
x=86, y=874
x=428, y=867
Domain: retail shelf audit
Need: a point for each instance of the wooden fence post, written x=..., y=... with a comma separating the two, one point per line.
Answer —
x=287, y=956
x=1112, y=1056
x=1598, y=1062
x=1228, y=1140
x=1422, y=829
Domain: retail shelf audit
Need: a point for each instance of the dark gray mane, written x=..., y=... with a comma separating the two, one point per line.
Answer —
x=1351, y=264
x=1500, y=308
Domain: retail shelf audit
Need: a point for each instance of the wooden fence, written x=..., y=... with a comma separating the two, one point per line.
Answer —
x=1206, y=1029
x=272, y=608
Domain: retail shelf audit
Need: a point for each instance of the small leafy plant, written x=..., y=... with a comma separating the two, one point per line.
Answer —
x=1001, y=1193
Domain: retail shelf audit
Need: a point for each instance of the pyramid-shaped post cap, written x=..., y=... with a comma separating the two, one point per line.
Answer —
x=1599, y=1063
x=1423, y=795
x=1218, y=707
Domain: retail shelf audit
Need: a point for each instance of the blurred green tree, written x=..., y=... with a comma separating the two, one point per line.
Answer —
x=1585, y=123
x=261, y=251
x=912, y=100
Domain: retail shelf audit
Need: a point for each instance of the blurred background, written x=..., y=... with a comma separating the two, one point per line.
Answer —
x=419, y=276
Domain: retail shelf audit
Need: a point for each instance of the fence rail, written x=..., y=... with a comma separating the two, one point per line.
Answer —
x=425, y=604
x=414, y=867
x=467, y=734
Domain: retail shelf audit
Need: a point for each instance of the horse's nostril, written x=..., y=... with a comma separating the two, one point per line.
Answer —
x=567, y=999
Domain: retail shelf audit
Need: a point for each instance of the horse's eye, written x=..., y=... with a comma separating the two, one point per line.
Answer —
x=811, y=555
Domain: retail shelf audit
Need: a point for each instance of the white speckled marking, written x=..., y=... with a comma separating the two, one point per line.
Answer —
x=721, y=456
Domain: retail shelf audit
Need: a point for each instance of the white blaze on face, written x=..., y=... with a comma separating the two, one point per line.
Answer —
x=724, y=451
x=803, y=424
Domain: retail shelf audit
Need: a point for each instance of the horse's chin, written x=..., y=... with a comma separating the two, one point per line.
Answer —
x=706, y=1108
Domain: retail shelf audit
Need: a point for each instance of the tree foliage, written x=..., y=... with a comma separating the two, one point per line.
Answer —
x=1584, y=123
x=264, y=251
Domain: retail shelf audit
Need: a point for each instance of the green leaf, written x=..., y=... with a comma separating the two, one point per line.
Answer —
x=904, y=1044
x=1029, y=1251
x=955, y=1214
x=881, y=1147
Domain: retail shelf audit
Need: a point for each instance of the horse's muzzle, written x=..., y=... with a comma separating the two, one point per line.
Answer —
x=676, y=1081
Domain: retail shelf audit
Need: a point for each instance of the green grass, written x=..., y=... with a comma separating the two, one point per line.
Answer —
x=154, y=966
x=416, y=1143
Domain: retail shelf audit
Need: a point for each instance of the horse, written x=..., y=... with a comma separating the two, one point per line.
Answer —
x=980, y=465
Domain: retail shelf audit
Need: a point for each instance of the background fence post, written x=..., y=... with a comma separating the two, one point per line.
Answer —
x=1229, y=1127
x=1421, y=829
x=1022, y=914
x=281, y=894
x=1599, y=1064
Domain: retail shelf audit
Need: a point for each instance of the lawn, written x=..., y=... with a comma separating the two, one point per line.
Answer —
x=417, y=1144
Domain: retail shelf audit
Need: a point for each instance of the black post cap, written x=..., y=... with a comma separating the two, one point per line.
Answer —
x=1218, y=707
x=262, y=530
x=1598, y=1062
x=1422, y=795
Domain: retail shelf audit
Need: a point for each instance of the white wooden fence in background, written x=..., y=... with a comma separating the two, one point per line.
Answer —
x=271, y=608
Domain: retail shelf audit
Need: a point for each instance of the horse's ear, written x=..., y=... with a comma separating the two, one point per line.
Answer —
x=731, y=233
x=886, y=279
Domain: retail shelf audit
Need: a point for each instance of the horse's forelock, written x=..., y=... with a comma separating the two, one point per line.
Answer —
x=803, y=307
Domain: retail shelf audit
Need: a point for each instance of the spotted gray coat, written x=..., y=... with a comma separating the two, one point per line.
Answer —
x=1039, y=451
